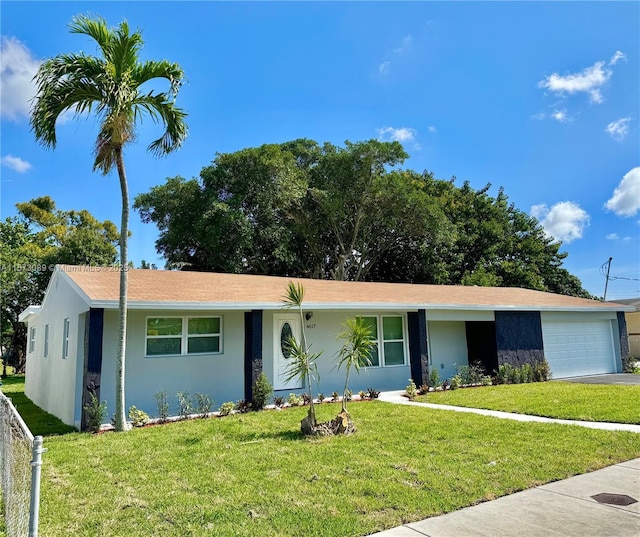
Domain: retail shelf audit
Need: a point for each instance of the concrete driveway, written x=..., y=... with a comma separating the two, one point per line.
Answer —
x=629, y=379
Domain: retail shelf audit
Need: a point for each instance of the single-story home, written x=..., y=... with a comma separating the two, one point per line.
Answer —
x=214, y=333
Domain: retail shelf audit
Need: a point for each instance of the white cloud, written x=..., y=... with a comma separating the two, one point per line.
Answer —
x=616, y=57
x=625, y=200
x=560, y=115
x=565, y=221
x=15, y=163
x=383, y=68
x=403, y=134
x=405, y=46
x=612, y=237
x=619, y=129
x=432, y=129
x=16, y=73
x=589, y=80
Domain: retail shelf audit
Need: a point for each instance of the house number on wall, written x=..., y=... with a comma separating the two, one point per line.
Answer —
x=311, y=325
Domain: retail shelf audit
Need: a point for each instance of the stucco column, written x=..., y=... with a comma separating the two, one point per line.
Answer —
x=93, y=333
x=418, y=353
x=252, y=350
x=519, y=337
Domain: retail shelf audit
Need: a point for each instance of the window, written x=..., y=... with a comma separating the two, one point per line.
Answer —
x=390, y=349
x=167, y=336
x=65, y=339
x=32, y=339
x=46, y=340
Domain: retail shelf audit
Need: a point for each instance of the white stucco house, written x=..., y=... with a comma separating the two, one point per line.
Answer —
x=214, y=333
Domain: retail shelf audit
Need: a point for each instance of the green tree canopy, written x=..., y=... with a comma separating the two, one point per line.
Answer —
x=349, y=213
x=31, y=243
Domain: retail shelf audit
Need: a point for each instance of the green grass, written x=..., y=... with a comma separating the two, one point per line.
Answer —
x=38, y=421
x=564, y=400
x=254, y=475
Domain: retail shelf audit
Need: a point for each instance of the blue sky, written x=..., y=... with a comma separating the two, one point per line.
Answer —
x=540, y=98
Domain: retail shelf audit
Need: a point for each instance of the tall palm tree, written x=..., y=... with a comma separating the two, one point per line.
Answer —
x=110, y=86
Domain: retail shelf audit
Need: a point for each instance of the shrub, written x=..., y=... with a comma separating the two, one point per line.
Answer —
x=203, y=404
x=374, y=394
x=362, y=394
x=243, y=406
x=163, y=405
x=434, y=378
x=628, y=363
x=541, y=371
x=470, y=374
x=294, y=399
x=261, y=392
x=226, y=408
x=335, y=396
x=486, y=380
x=306, y=399
x=321, y=397
x=96, y=412
x=456, y=382
x=411, y=390
x=279, y=401
x=138, y=417
x=184, y=404
x=423, y=389
x=348, y=395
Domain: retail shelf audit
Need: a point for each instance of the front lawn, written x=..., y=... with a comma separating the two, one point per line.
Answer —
x=564, y=400
x=254, y=475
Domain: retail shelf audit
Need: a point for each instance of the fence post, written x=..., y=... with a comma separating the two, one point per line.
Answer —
x=34, y=504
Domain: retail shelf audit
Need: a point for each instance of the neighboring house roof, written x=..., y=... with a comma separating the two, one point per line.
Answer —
x=634, y=302
x=162, y=289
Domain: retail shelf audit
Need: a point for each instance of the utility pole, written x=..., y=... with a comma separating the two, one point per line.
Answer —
x=606, y=283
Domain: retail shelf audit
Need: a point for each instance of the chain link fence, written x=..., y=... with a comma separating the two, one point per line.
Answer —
x=20, y=473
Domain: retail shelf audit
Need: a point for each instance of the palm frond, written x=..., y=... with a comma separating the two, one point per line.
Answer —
x=294, y=296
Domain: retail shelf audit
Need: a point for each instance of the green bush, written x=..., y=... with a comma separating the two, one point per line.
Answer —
x=434, y=378
x=278, y=401
x=537, y=372
x=261, y=392
x=411, y=390
x=96, y=412
x=203, y=404
x=470, y=374
x=138, y=418
x=456, y=382
x=294, y=399
x=185, y=408
x=226, y=408
x=163, y=405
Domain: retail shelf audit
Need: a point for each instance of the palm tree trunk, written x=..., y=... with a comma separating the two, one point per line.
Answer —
x=120, y=419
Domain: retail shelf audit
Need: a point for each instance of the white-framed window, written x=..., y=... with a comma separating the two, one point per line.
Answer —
x=32, y=339
x=171, y=336
x=65, y=338
x=390, y=347
x=46, y=340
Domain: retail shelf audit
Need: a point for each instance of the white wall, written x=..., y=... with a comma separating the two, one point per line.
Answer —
x=51, y=382
x=221, y=376
x=447, y=346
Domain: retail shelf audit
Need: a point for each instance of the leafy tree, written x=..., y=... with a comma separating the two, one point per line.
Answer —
x=111, y=85
x=31, y=243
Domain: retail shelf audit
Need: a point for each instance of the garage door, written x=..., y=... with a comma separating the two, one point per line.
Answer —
x=578, y=348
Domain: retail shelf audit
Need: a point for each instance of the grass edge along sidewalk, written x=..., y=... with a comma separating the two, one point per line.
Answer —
x=561, y=400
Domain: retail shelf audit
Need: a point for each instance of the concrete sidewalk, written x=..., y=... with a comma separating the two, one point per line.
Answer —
x=561, y=509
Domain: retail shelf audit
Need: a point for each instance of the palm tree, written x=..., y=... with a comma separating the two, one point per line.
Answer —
x=110, y=85
x=356, y=350
x=303, y=362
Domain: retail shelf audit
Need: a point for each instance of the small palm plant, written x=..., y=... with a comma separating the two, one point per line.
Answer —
x=356, y=350
x=303, y=364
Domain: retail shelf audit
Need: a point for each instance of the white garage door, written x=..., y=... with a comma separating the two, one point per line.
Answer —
x=578, y=348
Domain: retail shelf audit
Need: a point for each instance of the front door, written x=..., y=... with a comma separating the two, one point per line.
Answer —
x=285, y=326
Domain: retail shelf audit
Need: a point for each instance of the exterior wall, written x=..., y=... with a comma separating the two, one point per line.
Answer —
x=322, y=330
x=519, y=337
x=52, y=383
x=221, y=376
x=447, y=347
x=633, y=329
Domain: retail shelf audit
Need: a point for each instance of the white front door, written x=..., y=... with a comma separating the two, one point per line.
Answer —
x=284, y=327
